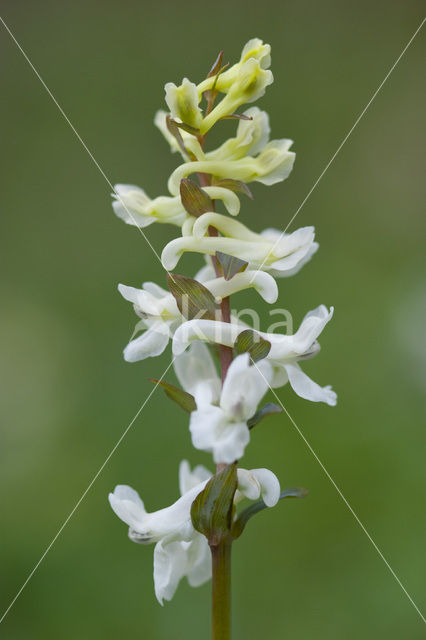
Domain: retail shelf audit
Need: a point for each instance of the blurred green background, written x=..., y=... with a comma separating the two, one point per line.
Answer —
x=305, y=569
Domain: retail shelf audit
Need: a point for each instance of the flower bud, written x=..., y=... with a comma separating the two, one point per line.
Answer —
x=132, y=205
x=252, y=136
x=190, y=142
x=183, y=102
x=252, y=49
x=249, y=84
x=256, y=49
x=275, y=162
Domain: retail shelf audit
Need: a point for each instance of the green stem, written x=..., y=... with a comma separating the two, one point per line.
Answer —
x=221, y=591
x=221, y=553
x=226, y=353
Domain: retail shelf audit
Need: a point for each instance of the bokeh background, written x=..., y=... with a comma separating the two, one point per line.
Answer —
x=304, y=569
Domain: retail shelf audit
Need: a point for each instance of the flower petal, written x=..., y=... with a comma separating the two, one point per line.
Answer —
x=189, y=479
x=227, y=226
x=211, y=431
x=231, y=444
x=191, y=143
x=151, y=343
x=183, y=102
x=127, y=505
x=208, y=331
x=311, y=327
x=269, y=486
x=170, y=566
x=244, y=387
x=254, y=252
x=151, y=300
x=275, y=162
x=276, y=268
x=230, y=199
x=204, y=425
x=264, y=284
x=199, y=568
x=129, y=204
x=258, y=483
x=129, y=293
x=197, y=373
x=252, y=136
x=248, y=484
x=175, y=519
x=175, y=559
x=155, y=290
x=307, y=388
x=279, y=375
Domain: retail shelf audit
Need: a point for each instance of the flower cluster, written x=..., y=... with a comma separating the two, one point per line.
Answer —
x=194, y=313
x=179, y=549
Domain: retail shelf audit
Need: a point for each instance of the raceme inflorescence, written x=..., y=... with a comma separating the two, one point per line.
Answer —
x=193, y=536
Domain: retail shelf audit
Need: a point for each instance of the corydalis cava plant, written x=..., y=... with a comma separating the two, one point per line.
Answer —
x=193, y=536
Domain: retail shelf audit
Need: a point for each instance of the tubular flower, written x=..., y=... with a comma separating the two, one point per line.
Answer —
x=219, y=424
x=273, y=164
x=284, y=355
x=132, y=205
x=183, y=102
x=280, y=254
x=255, y=49
x=160, y=315
x=243, y=83
x=180, y=551
x=190, y=142
x=249, y=85
x=251, y=138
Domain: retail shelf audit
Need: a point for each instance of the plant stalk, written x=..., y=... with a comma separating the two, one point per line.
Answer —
x=226, y=353
x=221, y=590
x=221, y=553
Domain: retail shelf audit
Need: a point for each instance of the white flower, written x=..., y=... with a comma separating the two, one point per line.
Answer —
x=180, y=551
x=281, y=254
x=190, y=142
x=250, y=155
x=286, y=351
x=254, y=48
x=219, y=424
x=304, y=248
x=183, y=102
x=251, y=139
x=244, y=82
x=258, y=483
x=160, y=315
x=132, y=205
x=273, y=164
x=252, y=136
x=284, y=355
x=249, y=85
x=247, y=157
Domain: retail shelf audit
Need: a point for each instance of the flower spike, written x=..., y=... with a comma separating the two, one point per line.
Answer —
x=193, y=536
